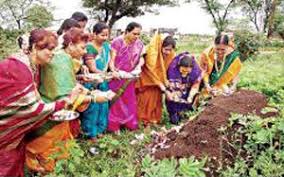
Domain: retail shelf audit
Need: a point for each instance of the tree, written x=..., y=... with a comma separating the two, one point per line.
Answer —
x=260, y=12
x=278, y=25
x=218, y=11
x=110, y=11
x=13, y=13
x=271, y=19
x=38, y=16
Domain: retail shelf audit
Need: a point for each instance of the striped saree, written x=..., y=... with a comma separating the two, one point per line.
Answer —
x=21, y=111
x=56, y=82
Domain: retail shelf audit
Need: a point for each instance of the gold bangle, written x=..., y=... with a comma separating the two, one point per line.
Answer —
x=78, y=101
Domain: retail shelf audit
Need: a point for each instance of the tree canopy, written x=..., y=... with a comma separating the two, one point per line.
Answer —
x=110, y=11
x=13, y=14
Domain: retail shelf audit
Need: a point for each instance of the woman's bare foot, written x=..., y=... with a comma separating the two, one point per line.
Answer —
x=117, y=132
x=93, y=140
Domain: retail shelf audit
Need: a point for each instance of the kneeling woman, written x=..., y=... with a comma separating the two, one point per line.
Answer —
x=57, y=80
x=184, y=75
x=221, y=65
x=21, y=107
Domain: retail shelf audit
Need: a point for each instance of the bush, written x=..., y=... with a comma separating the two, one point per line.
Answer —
x=279, y=24
x=8, y=42
x=145, y=39
x=247, y=43
x=273, y=43
x=280, y=30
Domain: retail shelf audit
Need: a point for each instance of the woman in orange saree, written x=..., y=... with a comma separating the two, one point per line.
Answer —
x=57, y=80
x=153, y=80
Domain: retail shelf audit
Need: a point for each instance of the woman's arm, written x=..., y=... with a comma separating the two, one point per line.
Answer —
x=141, y=62
x=235, y=82
x=91, y=64
x=112, y=60
x=193, y=91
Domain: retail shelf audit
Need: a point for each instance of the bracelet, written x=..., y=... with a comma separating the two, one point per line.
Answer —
x=94, y=98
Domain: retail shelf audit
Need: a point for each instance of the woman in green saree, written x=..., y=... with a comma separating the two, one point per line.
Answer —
x=57, y=80
x=221, y=65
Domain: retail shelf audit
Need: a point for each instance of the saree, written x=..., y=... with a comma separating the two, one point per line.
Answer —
x=95, y=118
x=149, y=95
x=57, y=81
x=21, y=111
x=230, y=70
x=124, y=110
x=181, y=87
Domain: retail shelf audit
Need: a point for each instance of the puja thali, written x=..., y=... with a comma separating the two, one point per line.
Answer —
x=64, y=115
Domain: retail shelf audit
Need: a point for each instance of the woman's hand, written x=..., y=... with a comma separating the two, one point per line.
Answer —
x=169, y=95
x=115, y=75
x=86, y=79
x=208, y=88
x=216, y=92
x=189, y=99
x=85, y=70
x=162, y=87
x=227, y=91
x=99, y=96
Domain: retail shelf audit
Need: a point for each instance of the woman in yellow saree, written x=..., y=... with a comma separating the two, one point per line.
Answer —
x=221, y=65
x=153, y=80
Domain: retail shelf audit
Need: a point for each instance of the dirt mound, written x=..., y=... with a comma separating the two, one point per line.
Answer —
x=201, y=137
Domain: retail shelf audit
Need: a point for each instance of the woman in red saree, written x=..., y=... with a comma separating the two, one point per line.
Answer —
x=21, y=108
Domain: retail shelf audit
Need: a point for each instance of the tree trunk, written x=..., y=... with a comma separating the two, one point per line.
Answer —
x=112, y=22
x=271, y=19
x=19, y=24
x=254, y=20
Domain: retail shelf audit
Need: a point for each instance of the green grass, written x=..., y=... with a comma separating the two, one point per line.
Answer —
x=194, y=44
x=118, y=157
x=265, y=74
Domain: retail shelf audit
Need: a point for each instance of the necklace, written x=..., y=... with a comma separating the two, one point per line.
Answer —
x=101, y=56
x=222, y=64
x=33, y=68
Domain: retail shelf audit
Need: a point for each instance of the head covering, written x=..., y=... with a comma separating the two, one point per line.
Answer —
x=174, y=73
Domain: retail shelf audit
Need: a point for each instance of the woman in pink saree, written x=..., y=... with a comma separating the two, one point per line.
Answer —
x=127, y=51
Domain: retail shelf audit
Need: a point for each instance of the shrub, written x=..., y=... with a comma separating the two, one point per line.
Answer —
x=8, y=42
x=247, y=43
x=145, y=39
x=279, y=24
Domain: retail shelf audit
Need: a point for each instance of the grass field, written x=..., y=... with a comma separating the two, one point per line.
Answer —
x=119, y=155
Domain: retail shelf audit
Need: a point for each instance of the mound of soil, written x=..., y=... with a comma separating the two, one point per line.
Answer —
x=201, y=137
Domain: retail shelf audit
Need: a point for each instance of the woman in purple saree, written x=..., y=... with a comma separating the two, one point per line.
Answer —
x=127, y=50
x=184, y=75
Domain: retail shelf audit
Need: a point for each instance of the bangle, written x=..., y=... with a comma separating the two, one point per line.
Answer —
x=94, y=98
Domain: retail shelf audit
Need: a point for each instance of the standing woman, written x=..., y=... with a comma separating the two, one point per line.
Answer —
x=127, y=51
x=81, y=18
x=153, y=80
x=21, y=108
x=95, y=118
x=65, y=26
